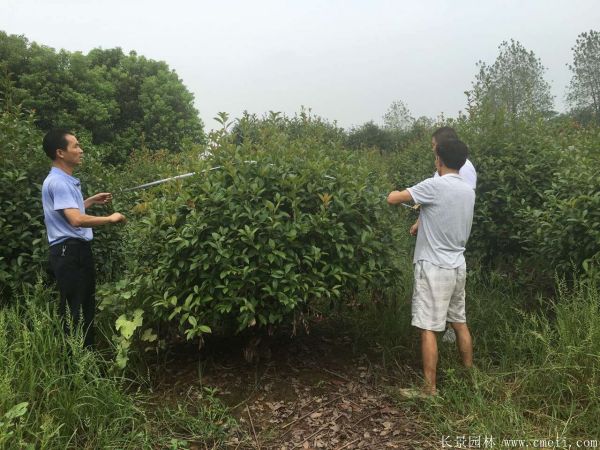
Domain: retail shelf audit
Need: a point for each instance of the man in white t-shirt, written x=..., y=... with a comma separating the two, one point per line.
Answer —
x=467, y=172
x=447, y=203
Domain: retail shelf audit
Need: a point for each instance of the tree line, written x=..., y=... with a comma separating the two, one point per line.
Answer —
x=513, y=87
x=128, y=101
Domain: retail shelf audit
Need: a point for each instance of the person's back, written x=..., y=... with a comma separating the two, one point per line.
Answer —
x=446, y=216
x=440, y=271
x=467, y=172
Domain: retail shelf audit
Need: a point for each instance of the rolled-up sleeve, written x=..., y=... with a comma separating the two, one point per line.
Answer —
x=424, y=192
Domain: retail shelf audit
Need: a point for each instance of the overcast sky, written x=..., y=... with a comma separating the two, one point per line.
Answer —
x=348, y=60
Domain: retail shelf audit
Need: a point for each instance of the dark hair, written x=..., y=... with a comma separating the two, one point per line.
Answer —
x=444, y=133
x=452, y=152
x=55, y=139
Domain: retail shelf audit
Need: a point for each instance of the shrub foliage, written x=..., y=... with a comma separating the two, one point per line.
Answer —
x=282, y=222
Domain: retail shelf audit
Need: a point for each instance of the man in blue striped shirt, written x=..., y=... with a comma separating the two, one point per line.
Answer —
x=69, y=231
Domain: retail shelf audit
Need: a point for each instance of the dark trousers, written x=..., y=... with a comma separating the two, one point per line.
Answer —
x=72, y=264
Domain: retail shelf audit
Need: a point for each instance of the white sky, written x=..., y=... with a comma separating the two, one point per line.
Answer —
x=347, y=60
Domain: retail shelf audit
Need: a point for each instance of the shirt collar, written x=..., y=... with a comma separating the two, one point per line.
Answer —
x=62, y=173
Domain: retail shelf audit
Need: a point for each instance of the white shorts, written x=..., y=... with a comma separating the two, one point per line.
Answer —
x=438, y=296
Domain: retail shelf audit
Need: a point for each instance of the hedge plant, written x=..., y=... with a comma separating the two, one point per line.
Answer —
x=281, y=223
x=21, y=217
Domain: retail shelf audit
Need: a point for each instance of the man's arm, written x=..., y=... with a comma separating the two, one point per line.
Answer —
x=76, y=219
x=99, y=199
x=396, y=197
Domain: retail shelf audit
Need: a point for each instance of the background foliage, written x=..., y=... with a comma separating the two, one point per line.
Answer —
x=514, y=83
x=584, y=90
x=21, y=225
x=536, y=198
x=123, y=101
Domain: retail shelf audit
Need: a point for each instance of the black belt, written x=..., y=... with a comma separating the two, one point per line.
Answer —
x=73, y=241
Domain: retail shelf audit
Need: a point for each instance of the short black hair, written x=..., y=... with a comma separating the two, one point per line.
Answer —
x=444, y=133
x=452, y=152
x=55, y=139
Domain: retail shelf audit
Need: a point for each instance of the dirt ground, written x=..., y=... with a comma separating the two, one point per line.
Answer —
x=310, y=392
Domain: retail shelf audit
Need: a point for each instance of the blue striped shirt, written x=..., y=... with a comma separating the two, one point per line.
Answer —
x=62, y=191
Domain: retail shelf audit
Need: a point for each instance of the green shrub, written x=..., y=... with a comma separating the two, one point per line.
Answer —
x=565, y=229
x=513, y=159
x=23, y=167
x=283, y=222
x=537, y=193
x=252, y=129
x=537, y=196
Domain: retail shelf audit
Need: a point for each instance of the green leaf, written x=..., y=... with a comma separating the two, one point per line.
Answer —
x=204, y=329
x=121, y=360
x=148, y=335
x=16, y=411
x=128, y=326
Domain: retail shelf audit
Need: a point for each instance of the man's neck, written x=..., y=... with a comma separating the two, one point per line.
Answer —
x=446, y=171
x=62, y=166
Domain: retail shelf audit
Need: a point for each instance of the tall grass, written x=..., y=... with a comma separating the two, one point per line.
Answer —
x=537, y=360
x=537, y=371
x=53, y=393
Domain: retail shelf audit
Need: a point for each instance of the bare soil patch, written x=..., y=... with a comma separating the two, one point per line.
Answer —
x=308, y=392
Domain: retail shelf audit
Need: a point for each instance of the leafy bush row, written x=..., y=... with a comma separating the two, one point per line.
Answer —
x=21, y=217
x=282, y=223
x=565, y=229
x=537, y=194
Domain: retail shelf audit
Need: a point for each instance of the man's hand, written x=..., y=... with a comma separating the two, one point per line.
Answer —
x=99, y=199
x=117, y=217
x=415, y=228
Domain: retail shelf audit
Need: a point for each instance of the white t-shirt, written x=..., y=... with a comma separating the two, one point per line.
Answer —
x=446, y=217
x=467, y=171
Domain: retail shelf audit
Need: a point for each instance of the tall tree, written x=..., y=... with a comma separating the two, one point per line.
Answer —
x=584, y=89
x=398, y=117
x=124, y=101
x=514, y=84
